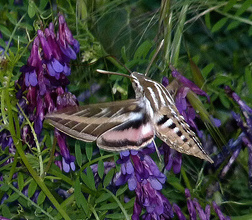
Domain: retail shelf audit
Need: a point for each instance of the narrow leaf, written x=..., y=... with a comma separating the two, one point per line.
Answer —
x=248, y=78
x=112, y=205
x=108, y=177
x=89, y=150
x=41, y=198
x=90, y=178
x=207, y=69
x=219, y=24
x=13, y=197
x=208, y=21
x=229, y=5
x=224, y=100
x=197, y=76
x=5, y=31
x=143, y=50
x=12, y=18
x=4, y=187
x=121, y=190
x=100, y=168
x=43, y=4
x=244, y=7
x=20, y=181
x=103, y=197
x=79, y=197
x=5, y=211
x=88, y=183
x=31, y=9
x=115, y=216
x=78, y=153
x=32, y=188
x=233, y=25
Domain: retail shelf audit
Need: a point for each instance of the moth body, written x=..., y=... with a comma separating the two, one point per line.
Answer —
x=131, y=124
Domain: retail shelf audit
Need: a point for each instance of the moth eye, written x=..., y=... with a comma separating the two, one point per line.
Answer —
x=135, y=84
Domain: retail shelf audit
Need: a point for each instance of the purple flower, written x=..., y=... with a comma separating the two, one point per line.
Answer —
x=67, y=160
x=246, y=127
x=190, y=205
x=3, y=218
x=178, y=212
x=172, y=158
x=143, y=176
x=194, y=205
x=188, y=84
x=43, y=81
x=218, y=212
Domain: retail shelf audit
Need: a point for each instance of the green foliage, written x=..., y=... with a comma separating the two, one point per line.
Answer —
x=209, y=41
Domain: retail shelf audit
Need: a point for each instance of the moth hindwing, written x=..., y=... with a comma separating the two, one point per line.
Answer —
x=131, y=124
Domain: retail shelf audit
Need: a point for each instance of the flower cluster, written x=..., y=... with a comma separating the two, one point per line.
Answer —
x=44, y=79
x=193, y=205
x=143, y=176
x=245, y=137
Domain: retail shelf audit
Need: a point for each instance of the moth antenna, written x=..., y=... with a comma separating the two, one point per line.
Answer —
x=125, y=67
x=158, y=153
x=154, y=57
x=113, y=73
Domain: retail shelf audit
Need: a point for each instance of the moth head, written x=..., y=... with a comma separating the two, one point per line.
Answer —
x=135, y=79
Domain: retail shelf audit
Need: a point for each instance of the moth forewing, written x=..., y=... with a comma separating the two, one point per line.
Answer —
x=115, y=126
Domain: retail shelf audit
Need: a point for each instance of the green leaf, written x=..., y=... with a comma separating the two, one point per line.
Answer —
x=224, y=100
x=88, y=183
x=12, y=18
x=20, y=181
x=100, y=168
x=41, y=198
x=5, y=31
x=25, y=26
x=5, y=187
x=32, y=188
x=79, y=197
x=207, y=69
x=90, y=179
x=124, y=55
x=219, y=24
x=250, y=31
x=229, y=5
x=103, y=197
x=112, y=205
x=248, y=78
x=89, y=150
x=196, y=73
x=115, y=216
x=43, y=4
x=2, y=43
x=220, y=80
x=143, y=50
x=244, y=7
x=108, y=177
x=121, y=190
x=130, y=203
x=175, y=182
x=13, y=197
x=31, y=9
x=233, y=25
x=208, y=21
x=5, y=211
x=78, y=153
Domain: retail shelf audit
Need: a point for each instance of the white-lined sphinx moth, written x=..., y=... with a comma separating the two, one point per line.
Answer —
x=131, y=124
